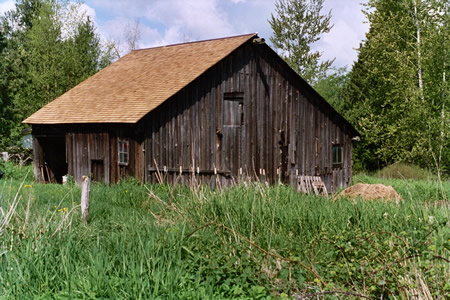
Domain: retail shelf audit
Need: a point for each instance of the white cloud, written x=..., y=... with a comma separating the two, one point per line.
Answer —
x=173, y=21
x=197, y=19
x=7, y=6
x=346, y=35
x=87, y=11
x=114, y=30
x=166, y=21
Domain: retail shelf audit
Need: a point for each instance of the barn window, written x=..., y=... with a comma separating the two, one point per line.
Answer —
x=337, y=155
x=123, y=146
x=232, y=109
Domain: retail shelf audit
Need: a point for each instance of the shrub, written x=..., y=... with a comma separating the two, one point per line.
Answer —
x=404, y=171
x=14, y=171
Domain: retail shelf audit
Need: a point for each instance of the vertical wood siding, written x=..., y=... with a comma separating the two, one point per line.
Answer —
x=84, y=150
x=279, y=130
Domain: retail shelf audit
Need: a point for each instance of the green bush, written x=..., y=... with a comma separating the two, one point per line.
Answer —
x=404, y=171
x=16, y=172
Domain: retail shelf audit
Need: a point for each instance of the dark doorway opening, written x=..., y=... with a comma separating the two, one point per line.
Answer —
x=54, y=165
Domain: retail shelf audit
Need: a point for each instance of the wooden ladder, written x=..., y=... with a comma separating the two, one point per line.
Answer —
x=311, y=184
x=44, y=171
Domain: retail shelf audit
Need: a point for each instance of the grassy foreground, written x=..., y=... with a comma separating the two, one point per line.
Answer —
x=247, y=242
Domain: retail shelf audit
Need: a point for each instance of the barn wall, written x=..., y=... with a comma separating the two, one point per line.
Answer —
x=95, y=153
x=295, y=128
x=186, y=136
x=247, y=116
x=89, y=149
x=88, y=154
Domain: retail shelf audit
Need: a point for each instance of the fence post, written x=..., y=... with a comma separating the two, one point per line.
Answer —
x=85, y=190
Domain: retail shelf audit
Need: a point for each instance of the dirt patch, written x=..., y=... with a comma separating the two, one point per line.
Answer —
x=371, y=192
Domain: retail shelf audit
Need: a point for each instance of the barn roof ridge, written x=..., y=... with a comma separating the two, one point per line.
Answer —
x=196, y=42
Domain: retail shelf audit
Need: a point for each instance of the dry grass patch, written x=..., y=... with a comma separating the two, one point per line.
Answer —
x=371, y=192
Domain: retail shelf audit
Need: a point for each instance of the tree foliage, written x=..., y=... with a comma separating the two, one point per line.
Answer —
x=332, y=87
x=46, y=48
x=297, y=25
x=397, y=95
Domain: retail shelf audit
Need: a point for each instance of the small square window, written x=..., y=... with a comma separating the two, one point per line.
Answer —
x=123, y=147
x=337, y=155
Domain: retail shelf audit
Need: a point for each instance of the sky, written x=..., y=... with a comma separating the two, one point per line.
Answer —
x=163, y=22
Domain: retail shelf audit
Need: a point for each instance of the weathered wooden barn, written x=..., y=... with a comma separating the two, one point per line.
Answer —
x=210, y=111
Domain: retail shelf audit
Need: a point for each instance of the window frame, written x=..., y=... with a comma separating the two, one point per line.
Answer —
x=123, y=151
x=337, y=155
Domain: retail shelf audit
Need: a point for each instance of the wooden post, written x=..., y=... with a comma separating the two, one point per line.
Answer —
x=85, y=190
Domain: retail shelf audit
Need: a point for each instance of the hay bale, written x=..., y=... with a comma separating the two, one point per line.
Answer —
x=372, y=192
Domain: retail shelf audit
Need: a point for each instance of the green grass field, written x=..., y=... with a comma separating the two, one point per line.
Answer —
x=246, y=242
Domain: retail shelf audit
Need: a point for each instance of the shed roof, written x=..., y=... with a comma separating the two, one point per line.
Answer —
x=131, y=87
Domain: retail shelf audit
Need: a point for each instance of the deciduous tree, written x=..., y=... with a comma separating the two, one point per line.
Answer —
x=297, y=25
x=397, y=92
x=46, y=47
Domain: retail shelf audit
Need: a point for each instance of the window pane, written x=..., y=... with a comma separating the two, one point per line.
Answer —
x=122, y=149
x=336, y=154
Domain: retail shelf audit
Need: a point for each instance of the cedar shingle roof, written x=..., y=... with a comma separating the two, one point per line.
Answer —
x=128, y=89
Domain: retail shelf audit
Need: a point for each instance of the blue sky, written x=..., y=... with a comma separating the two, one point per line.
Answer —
x=163, y=22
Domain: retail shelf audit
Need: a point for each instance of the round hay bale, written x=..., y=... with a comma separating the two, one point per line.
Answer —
x=371, y=192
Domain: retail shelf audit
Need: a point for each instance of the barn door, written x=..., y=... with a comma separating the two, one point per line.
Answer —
x=97, y=170
x=231, y=140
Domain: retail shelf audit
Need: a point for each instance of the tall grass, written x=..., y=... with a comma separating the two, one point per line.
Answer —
x=163, y=242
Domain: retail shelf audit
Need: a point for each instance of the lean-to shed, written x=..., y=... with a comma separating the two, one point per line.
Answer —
x=211, y=111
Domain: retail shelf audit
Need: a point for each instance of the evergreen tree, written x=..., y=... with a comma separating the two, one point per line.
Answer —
x=297, y=25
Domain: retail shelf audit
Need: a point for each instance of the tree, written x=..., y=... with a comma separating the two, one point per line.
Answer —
x=332, y=87
x=46, y=48
x=131, y=36
x=395, y=95
x=297, y=25
x=132, y=33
